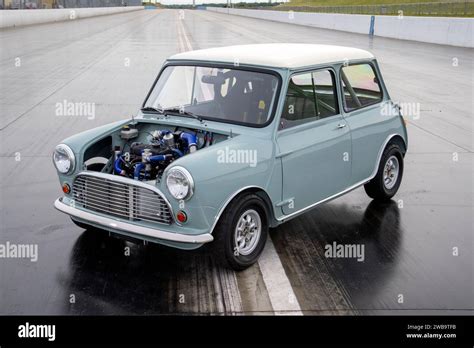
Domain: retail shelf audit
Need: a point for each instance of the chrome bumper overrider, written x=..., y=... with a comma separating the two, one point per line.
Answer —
x=110, y=223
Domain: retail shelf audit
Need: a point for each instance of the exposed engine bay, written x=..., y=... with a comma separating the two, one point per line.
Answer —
x=146, y=153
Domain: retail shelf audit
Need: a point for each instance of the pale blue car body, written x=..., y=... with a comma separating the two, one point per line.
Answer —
x=296, y=168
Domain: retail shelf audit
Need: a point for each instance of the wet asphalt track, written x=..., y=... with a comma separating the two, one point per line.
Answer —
x=112, y=61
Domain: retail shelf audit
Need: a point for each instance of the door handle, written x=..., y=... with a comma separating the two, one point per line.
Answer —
x=341, y=125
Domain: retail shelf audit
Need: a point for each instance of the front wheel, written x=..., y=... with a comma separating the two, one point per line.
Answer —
x=389, y=175
x=241, y=232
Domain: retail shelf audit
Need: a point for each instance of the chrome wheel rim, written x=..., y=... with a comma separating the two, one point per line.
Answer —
x=390, y=172
x=247, y=232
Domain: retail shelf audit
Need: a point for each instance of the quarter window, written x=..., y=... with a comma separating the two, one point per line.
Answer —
x=311, y=96
x=361, y=86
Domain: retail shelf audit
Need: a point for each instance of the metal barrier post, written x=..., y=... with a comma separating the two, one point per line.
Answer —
x=372, y=25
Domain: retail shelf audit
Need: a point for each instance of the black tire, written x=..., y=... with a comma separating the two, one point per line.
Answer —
x=376, y=187
x=224, y=245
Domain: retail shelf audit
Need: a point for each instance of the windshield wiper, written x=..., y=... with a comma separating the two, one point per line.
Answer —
x=171, y=111
x=152, y=109
x=181, y=112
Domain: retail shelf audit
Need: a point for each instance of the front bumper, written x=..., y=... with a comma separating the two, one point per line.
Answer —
x=114, y=224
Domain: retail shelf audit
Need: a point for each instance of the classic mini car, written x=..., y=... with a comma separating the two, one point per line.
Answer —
x=232, y=141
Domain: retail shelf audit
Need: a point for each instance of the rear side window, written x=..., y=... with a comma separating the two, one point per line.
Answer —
x=361, y=86
x=311, y=96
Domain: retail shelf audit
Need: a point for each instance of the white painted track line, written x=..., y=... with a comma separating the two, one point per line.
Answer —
x=282, y=297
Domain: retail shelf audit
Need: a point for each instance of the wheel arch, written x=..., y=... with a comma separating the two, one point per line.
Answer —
x=398, y=140
x=257, y=190
x=391, y=139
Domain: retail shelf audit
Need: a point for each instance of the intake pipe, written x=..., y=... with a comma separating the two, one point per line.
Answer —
x=191, y=141
x=142, y=165
x=117, y=166
x=138, y=169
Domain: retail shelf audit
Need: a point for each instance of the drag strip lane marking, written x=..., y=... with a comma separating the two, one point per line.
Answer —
x=280, y=291
x=186, y=38
x=184, y=44
x=181, y=47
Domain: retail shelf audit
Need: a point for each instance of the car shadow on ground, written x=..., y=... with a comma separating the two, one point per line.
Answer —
x=109, y=275
x=115, y=276
x=329, y=282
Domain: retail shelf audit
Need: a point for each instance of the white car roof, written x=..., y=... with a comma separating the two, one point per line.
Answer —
x=281, y=55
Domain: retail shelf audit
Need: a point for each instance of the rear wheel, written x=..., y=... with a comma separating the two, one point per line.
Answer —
x=241, y=232
x=389, y=175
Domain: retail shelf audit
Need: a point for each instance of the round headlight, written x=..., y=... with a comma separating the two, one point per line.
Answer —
x=63, y=159
x=180, y=183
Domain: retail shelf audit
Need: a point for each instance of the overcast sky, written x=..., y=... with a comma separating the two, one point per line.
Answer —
x=180, y=2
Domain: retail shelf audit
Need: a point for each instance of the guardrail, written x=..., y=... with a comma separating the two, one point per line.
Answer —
x=16, y=18
x=48, y=4
x=444, y=9
x=438, y=30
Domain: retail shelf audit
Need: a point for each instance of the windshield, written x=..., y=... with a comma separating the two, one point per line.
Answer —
x=228, y=95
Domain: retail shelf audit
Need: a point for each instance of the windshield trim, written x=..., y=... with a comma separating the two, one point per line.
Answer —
x=227, y=66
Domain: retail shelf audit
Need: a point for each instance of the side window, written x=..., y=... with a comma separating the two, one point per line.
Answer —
x=311, y=96
x=325, y=89
x=361, y=86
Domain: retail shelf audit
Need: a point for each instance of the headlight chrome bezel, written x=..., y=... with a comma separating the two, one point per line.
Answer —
x=70, y=155
x=187, y=175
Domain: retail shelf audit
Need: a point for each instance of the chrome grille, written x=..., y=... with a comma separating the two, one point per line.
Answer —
x=120, y=199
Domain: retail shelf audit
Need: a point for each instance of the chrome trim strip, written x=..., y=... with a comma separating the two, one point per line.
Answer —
x=128, y=181
x=286, y=217
x=353, y=187
x=283, y=154
x=285, y=202
x=127, y=227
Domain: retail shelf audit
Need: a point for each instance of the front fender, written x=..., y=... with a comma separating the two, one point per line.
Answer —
x=222, y=170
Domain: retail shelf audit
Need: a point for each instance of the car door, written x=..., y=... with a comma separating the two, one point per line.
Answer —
x=313, y=140
x=362, y=97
